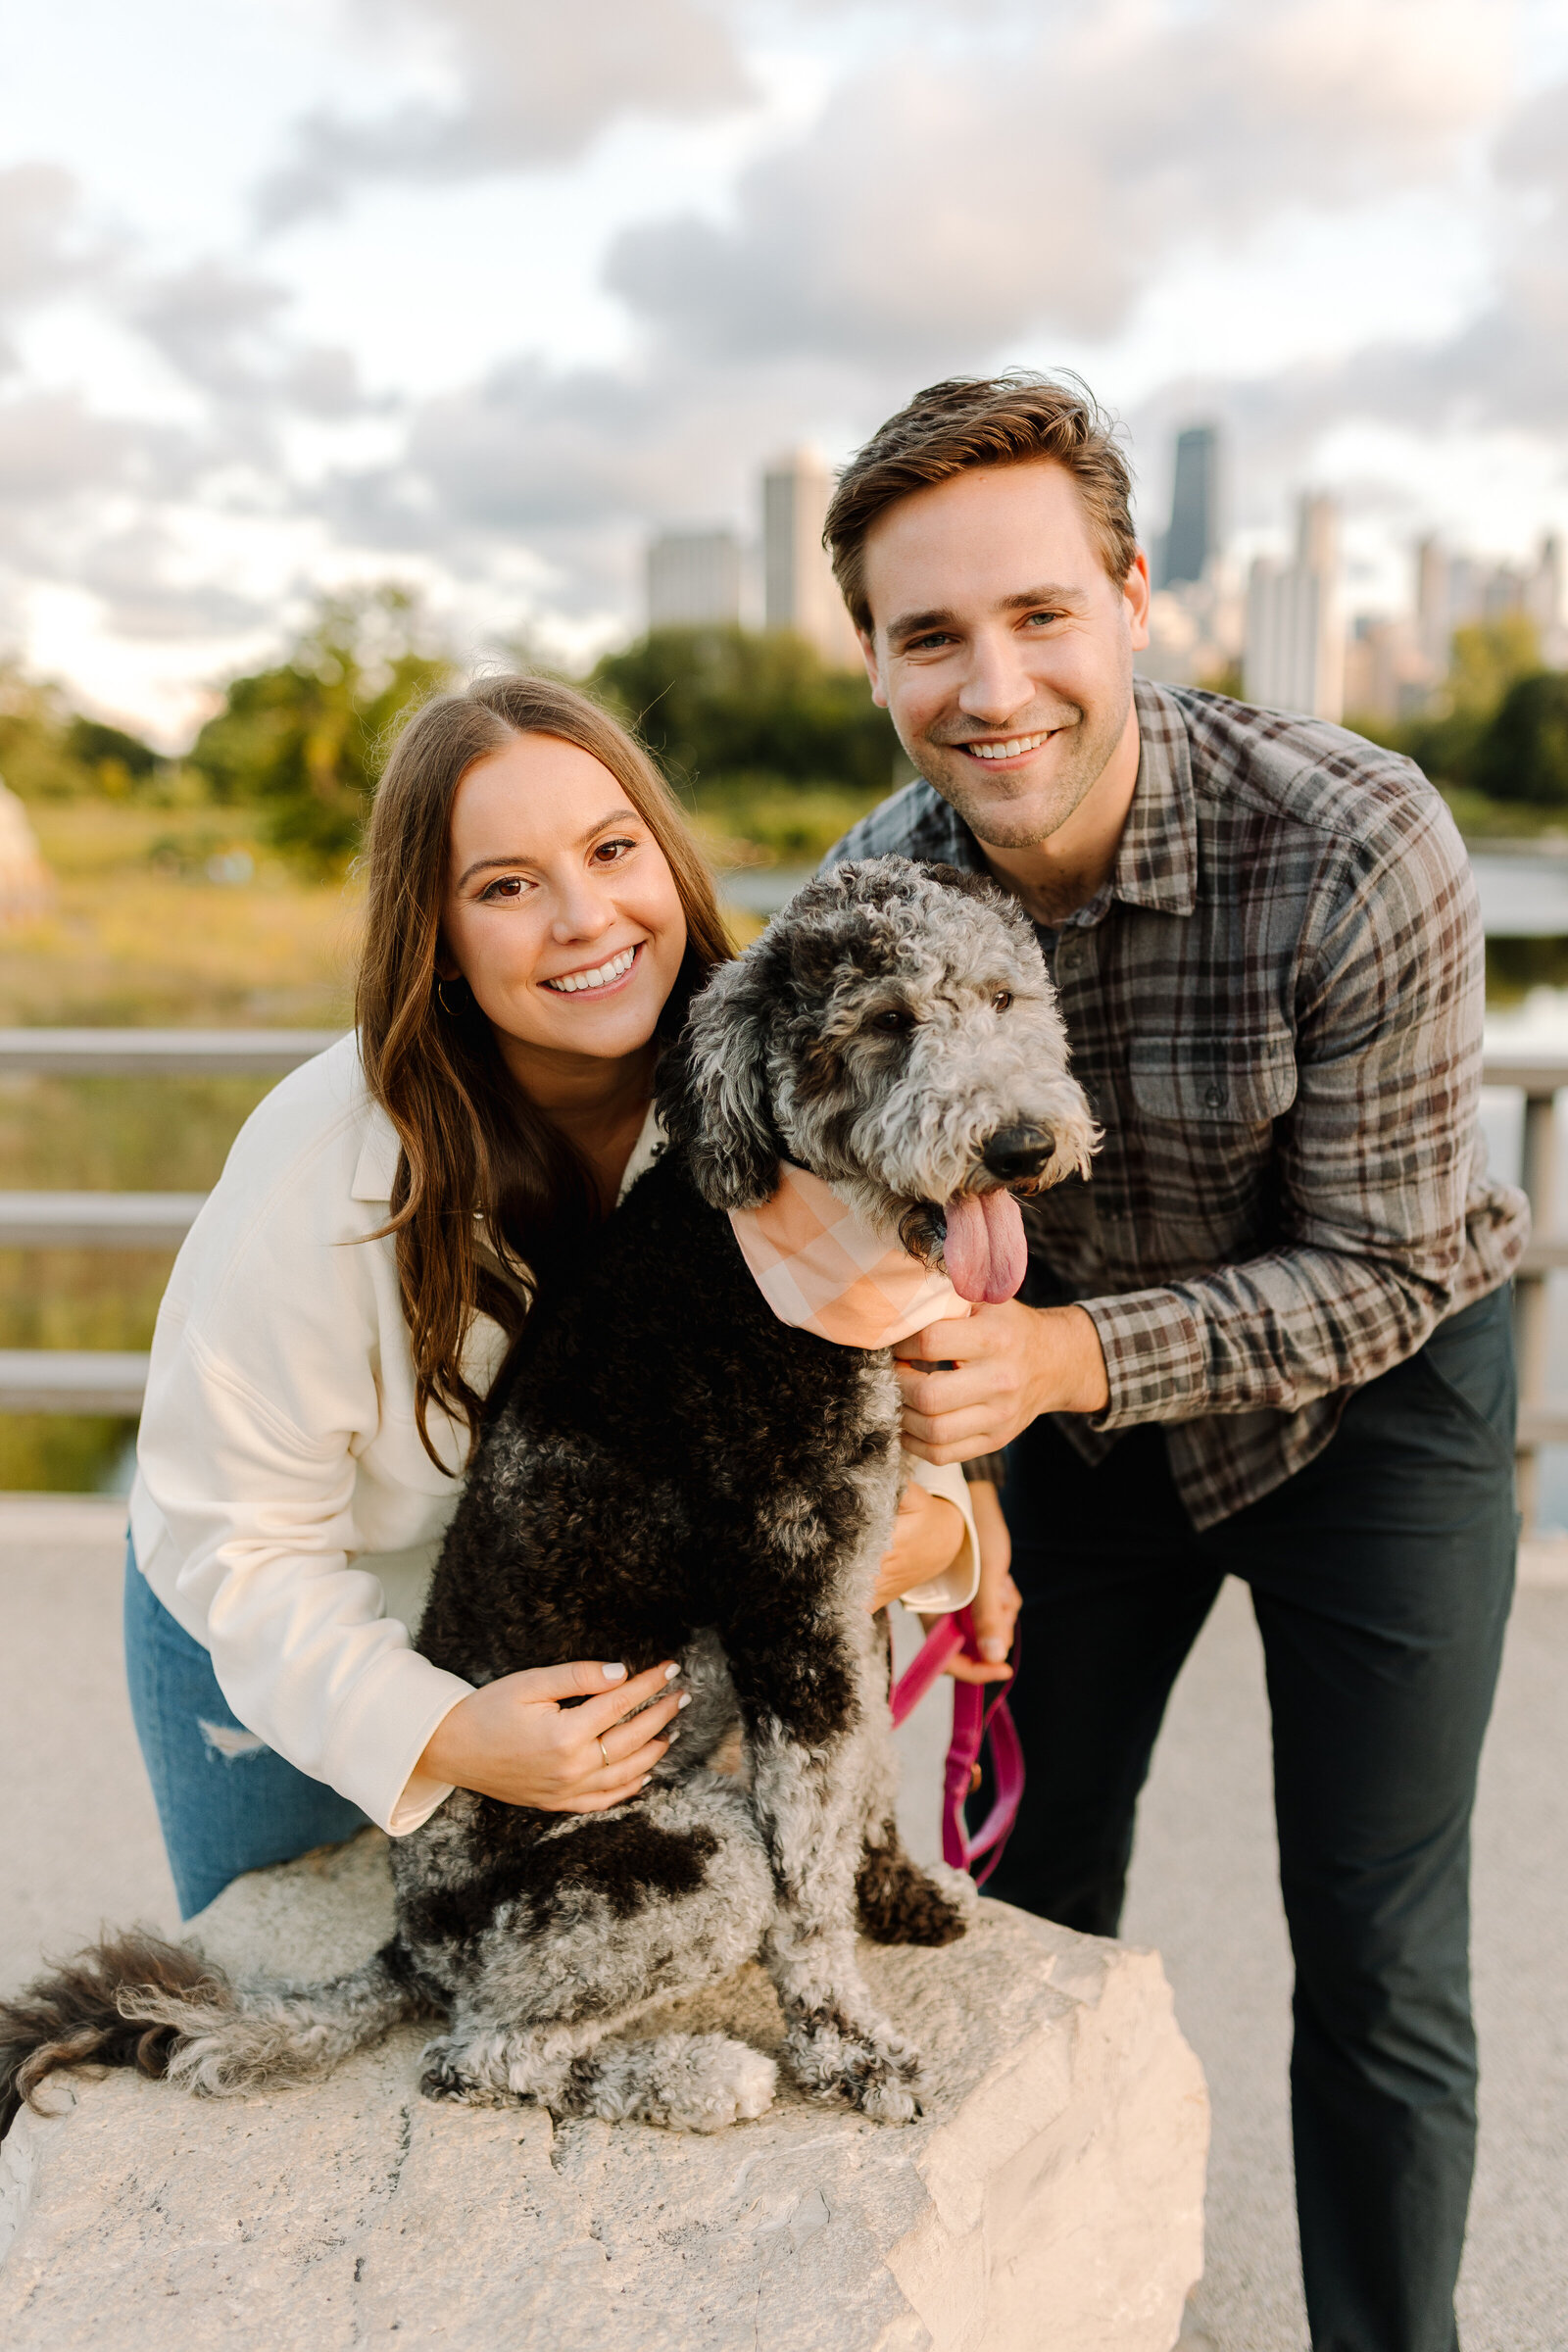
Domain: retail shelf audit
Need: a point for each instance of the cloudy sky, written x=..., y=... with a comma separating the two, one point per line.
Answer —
x=474, y=293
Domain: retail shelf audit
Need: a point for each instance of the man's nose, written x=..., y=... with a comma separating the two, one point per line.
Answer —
x=999, y=681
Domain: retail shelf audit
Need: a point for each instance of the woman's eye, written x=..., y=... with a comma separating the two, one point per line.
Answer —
x=1001, y=999
x=893, y=1022
x=506, y=886
x=610, y=853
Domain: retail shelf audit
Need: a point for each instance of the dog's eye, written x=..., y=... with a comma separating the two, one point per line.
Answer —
x=1001, y=999
x=893, y=1022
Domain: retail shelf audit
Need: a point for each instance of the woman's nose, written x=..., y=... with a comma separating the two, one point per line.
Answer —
x=581, y=913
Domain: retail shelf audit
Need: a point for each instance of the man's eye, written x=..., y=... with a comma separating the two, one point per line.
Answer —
x=894, y=1022
x=1001, y=999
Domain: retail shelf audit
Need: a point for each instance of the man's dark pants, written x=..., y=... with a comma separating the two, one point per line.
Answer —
x=1381, y=1578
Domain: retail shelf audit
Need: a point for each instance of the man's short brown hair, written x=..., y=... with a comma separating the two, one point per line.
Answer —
x=972, y=421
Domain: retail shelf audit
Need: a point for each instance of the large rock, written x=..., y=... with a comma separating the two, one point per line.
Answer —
x=1052, y=2196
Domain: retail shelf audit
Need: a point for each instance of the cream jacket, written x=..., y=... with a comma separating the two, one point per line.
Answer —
x=284, y=1511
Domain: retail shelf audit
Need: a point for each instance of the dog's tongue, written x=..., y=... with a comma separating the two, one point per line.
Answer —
x=985, y=1249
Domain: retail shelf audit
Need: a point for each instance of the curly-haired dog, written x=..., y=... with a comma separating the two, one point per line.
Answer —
x=672, y=1472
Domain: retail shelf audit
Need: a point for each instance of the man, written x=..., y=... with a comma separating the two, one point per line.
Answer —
x=1270, y=1336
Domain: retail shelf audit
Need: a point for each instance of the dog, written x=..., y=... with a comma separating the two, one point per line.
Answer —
x=669, y=1470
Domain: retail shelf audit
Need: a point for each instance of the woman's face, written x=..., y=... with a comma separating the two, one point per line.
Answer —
x=562, y=913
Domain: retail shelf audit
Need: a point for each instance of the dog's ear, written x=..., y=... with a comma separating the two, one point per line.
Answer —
x=712, y=1083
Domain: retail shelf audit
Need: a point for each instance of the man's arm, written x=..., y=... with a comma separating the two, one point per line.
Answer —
x=1372, y=1163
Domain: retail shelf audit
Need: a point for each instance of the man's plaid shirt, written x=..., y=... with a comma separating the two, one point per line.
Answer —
x=1275, y=1007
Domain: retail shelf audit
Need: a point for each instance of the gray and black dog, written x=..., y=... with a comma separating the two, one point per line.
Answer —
x=669, y=1471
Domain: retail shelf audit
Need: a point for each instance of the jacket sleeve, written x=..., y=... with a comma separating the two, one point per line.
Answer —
x=959, y=1581
x=245, y=1512
x=1372, y=1160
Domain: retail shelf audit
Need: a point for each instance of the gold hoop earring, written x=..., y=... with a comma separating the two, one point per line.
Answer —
x=440, y=998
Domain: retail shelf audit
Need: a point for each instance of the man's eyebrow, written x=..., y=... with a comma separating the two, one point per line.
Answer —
x=1023, y=600
x=485, y=865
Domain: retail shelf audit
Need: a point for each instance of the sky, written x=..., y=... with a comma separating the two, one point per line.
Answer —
x=473, y=295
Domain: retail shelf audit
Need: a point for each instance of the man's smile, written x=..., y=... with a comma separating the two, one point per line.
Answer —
x=997, y=752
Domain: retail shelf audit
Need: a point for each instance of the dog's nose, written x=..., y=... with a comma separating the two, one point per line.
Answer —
x=1016, y=1152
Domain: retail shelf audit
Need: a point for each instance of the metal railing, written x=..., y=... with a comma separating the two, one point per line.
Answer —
x=61, y=1381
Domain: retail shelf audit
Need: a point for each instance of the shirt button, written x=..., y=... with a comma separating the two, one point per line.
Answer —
x=1215, y=1096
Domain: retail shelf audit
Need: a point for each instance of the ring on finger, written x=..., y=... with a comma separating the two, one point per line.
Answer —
x=604, y=1752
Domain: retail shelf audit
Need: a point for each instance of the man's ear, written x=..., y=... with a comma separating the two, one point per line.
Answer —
x=873, y=668
x=713, y=1089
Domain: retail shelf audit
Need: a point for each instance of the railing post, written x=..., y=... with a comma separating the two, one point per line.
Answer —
x=1538, y=1169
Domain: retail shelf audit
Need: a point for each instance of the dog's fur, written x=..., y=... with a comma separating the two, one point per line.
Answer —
x=668, y=1471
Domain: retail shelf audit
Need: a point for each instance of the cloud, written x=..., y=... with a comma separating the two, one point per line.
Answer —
x=531, y=83
x=222, y=330
x=986, y=196
x=1504, y=370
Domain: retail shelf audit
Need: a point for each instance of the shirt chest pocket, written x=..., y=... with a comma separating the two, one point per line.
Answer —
x=1209, y=1081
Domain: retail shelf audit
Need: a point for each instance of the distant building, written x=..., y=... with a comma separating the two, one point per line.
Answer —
x=1192, y=540
x=1387, y=674
x=1195, y=630
x=1294, y=653
x=1453, y=591
x=694, y=581
x=799, y=590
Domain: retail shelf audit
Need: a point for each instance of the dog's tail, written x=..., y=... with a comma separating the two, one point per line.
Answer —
x=136, y=2000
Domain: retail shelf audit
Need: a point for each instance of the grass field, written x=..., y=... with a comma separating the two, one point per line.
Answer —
x=140, y=935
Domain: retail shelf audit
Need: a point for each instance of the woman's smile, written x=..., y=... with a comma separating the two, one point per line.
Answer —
x=601, y=979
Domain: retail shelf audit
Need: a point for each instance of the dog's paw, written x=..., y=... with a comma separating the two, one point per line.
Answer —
x=685, y=2082
x=443, y=2078
x=868, y=2066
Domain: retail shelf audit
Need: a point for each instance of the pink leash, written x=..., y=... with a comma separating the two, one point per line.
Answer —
x=980, y=1713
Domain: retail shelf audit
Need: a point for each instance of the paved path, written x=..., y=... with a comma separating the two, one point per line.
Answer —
x=81, y=1846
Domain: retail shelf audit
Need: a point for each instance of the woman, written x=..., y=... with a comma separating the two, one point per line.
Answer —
x=538, y=917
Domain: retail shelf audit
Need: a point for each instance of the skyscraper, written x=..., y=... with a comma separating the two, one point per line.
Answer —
x=1294, y=657
x=694, y=581
x=799, y=590
x=1194, y=534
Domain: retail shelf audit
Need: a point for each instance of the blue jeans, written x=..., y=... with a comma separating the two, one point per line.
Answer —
x=225, y=1802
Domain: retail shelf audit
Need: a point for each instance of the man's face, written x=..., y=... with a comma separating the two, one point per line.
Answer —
x=1002, y=647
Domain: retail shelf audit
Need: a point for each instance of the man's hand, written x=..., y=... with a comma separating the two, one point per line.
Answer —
x=926, y=1536
x=1013, y=1364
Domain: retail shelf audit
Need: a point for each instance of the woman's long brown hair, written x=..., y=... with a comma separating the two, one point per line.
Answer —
x=479, y=1162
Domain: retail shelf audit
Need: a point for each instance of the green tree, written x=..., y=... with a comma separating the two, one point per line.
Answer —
x=116, y=759
x=35, y=757
x=1523, y=753
x=1487, y=660
x=306, y=739
x=716, y=705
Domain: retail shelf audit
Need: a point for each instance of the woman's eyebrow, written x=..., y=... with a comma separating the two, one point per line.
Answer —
x=485, y=865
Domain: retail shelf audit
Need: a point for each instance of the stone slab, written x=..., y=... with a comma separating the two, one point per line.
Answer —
x=1052, y=2195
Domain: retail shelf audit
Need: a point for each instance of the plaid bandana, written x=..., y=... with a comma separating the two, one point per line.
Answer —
x=822, y=1268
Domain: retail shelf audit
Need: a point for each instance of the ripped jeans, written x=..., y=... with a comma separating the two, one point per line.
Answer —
x=225, y=1802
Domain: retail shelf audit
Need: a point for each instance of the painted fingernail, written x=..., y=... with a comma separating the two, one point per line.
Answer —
x=993, y=1652
x=613, y=1674
x=643, y=1782
x=670, y=1673
x=672, y=1732
x=684, y=1701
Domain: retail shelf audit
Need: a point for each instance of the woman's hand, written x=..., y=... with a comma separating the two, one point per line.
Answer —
x=995, y=1607
x=926, y=1536
x=515, y=1740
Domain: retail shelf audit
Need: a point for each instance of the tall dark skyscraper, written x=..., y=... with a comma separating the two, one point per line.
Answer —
x=1193, y=533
